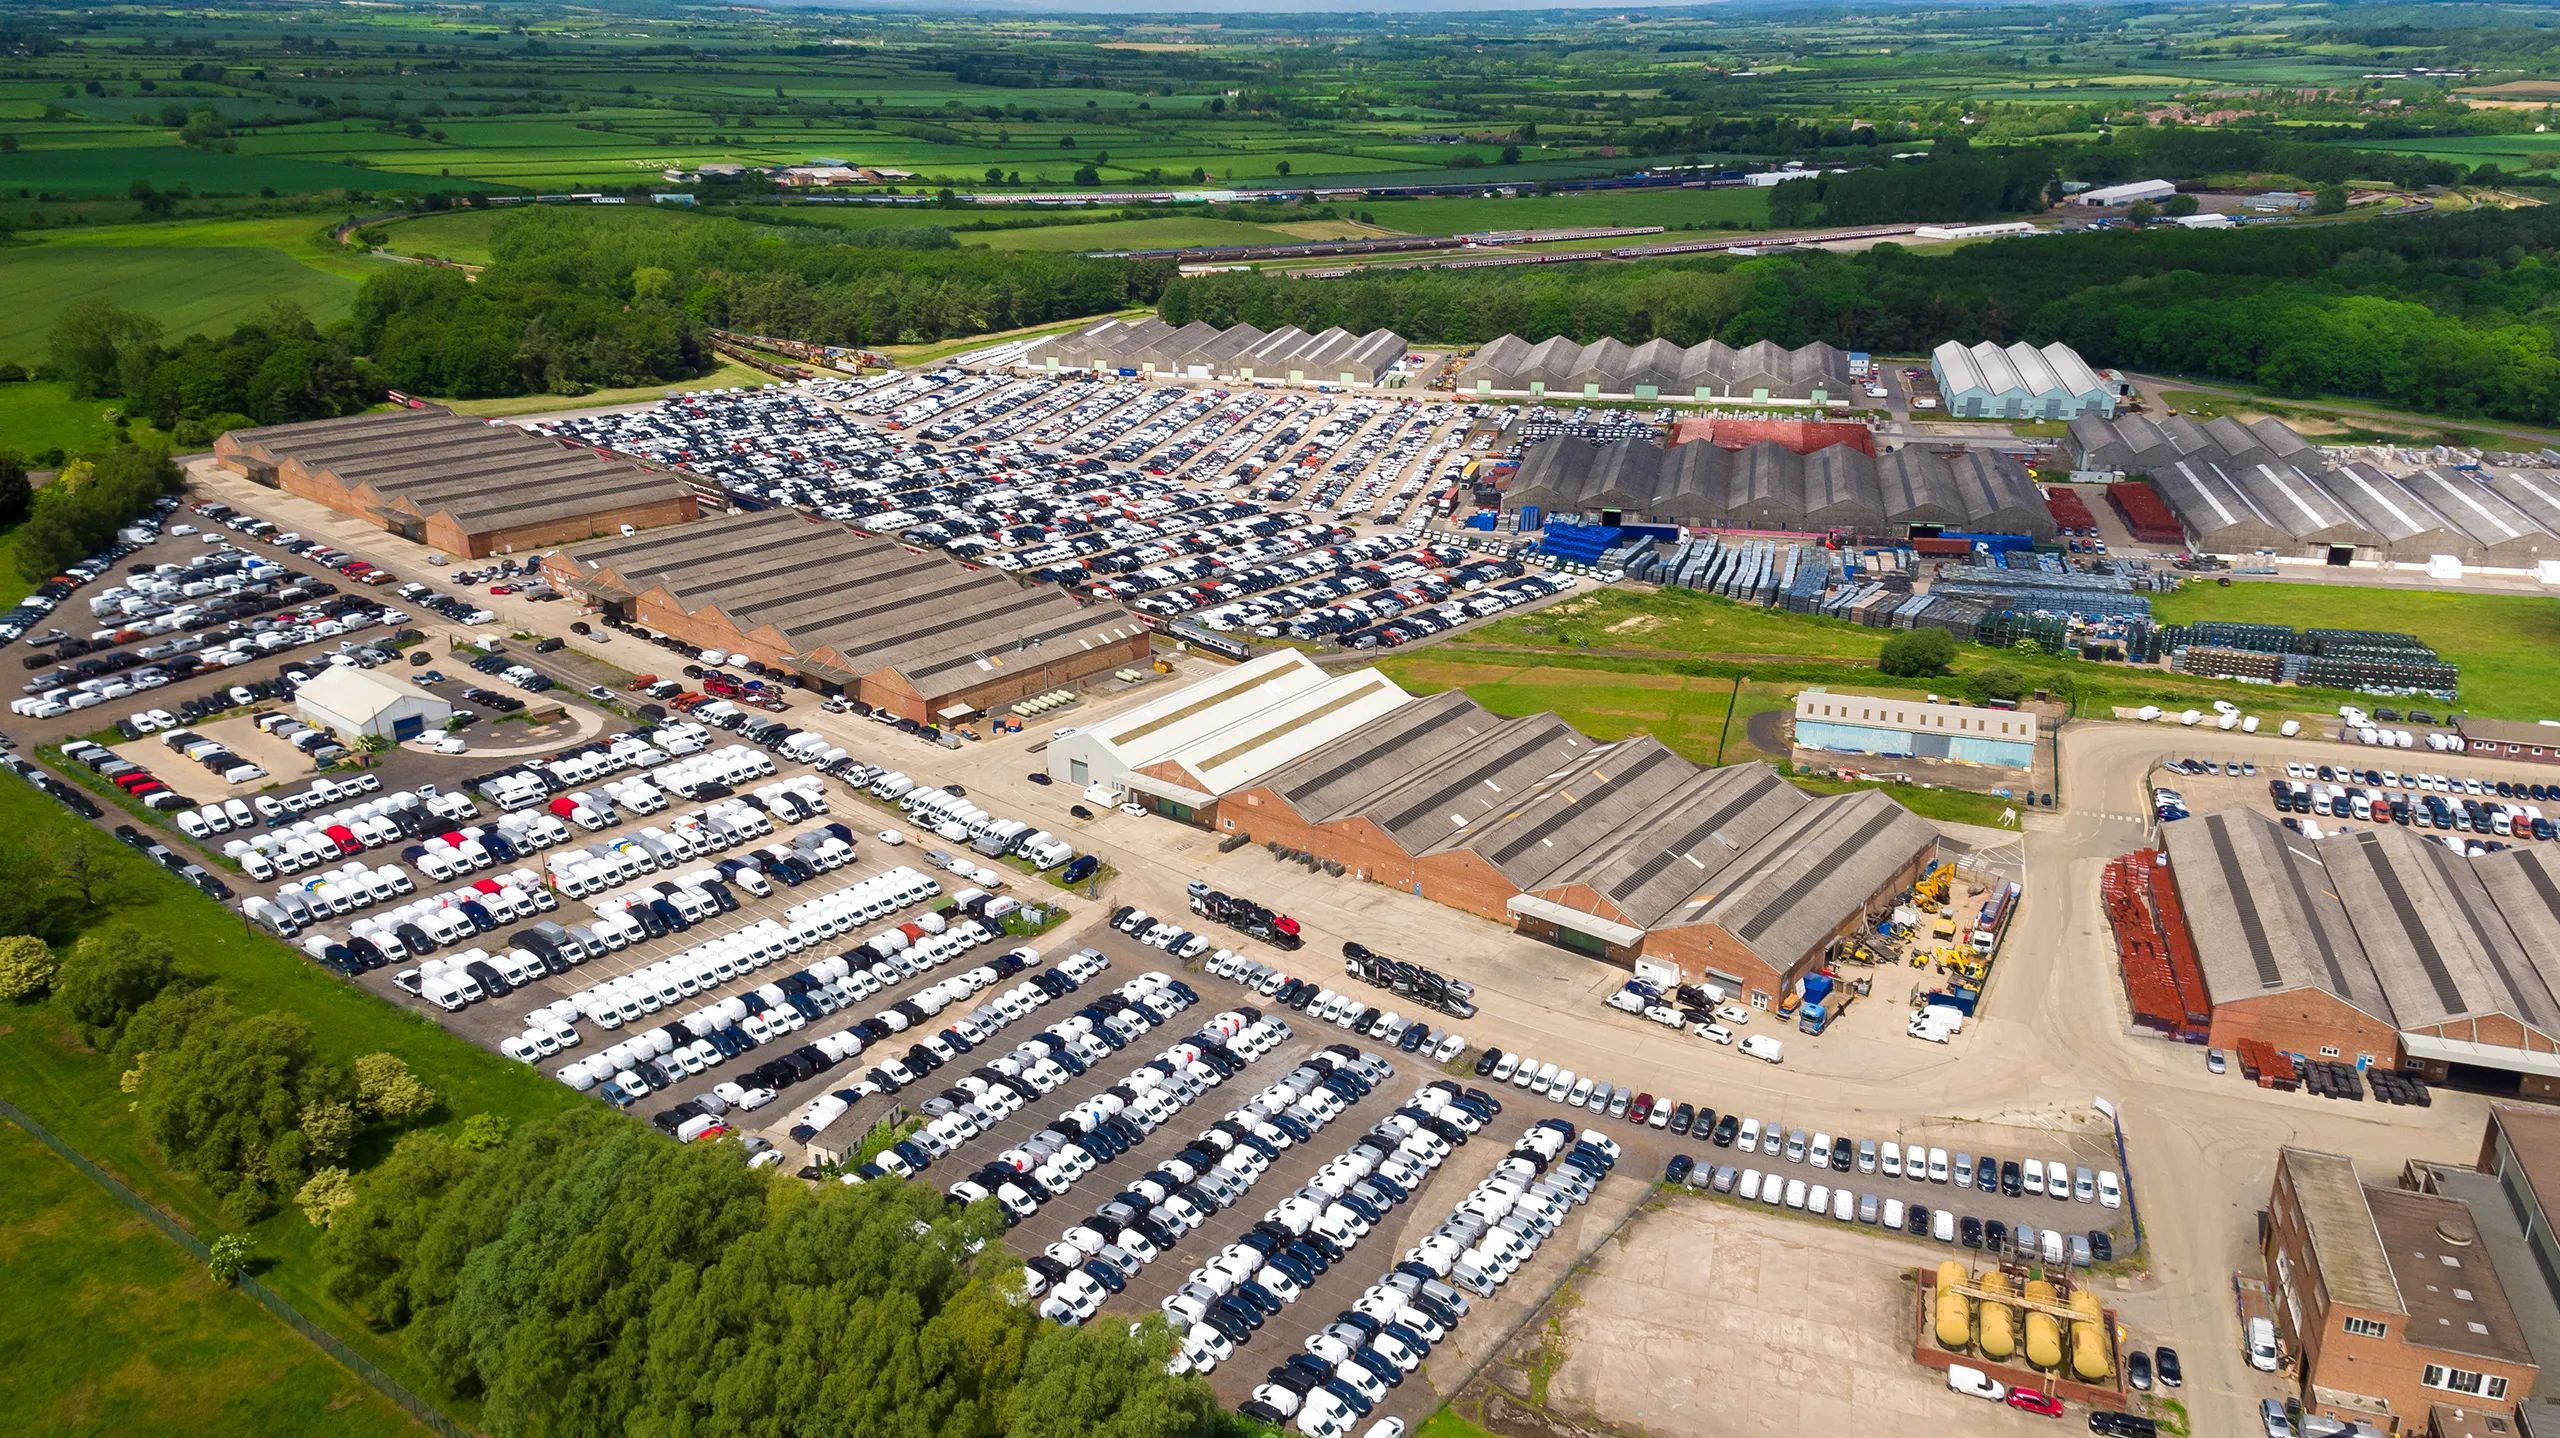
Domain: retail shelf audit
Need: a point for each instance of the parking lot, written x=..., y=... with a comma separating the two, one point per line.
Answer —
x=2456, y=798
x=1234, y=507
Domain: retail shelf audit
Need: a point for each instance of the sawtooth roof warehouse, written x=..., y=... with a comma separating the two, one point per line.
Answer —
x=901, y=630
x=1616, y=850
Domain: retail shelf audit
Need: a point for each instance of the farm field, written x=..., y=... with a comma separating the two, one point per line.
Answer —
x=82, y=171
x=188, y=289
x=299, y=237
x=113, y=1329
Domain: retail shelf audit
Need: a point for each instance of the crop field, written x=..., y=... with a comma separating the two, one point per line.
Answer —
x=113, y=1329
x=111, y=171
x=188, y=289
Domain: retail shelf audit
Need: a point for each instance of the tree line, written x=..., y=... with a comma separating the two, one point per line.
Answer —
x=573, y=301
x=2453, y=314
x=576, y=1275
x=78, y=514
x=276, y=368
x=586, y=1277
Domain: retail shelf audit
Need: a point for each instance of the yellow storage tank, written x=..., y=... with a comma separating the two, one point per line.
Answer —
x=2088, y=1338
x=2044, y=1331
x=1999, y=1340
x=1955, y=1316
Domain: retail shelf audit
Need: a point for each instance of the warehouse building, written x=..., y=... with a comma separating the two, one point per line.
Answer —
x=2508, y=739
x=2386, y=1299
x=1761, y=373
x=1911, y=728
x=458, y=484
x=1179, y=753
x=2243, y=488
x=906, y=632
x=1913, y=492
x=1613, y=850
x=2019, y=381
x=1201, y=350
x=349, y=702
x=2153, y=190
x=2378, y=947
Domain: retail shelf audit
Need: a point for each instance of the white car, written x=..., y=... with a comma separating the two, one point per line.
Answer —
x=2110, y=1189
x=892, y=837
x=1134, y=811
x=1714, y=1033
x=1734, y=1014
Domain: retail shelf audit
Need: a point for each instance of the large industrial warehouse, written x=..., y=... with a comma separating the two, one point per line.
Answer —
x=906, y=632
x=462, y=485
x=1614, y=850
x=1912, y=491
x=1201, y=350
x=2240, y=489
x=1762, y=373
x=2377, y=947
x=2019, y=381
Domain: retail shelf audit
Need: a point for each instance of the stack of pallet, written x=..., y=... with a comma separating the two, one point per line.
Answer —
x=2164, y=985
x=2270, y=1066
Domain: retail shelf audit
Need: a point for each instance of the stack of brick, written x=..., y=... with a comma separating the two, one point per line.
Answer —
x=2269, y=1065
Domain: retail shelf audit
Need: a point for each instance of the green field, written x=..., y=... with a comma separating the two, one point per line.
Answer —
x=35, y=417
x=730, y=375
x=48, y=1072
x=2508, y=645
x=303, y=238
x=111, y=171
x=189, y=290
x=108, y=1327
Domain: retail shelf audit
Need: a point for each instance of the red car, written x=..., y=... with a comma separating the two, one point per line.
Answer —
x=2035, y=1402
x=1641, y=1109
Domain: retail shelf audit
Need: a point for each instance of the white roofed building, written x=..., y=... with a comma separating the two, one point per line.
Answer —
x=2152, y=190
x=1178, y=754
x=2019, y=381
x=353, y=701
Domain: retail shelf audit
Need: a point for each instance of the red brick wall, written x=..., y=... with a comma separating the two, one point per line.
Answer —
x=2304, y=1021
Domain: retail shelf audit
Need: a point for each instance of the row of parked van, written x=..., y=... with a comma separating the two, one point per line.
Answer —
x=950, y=815
x=590, y=870
x=1345, y=1368
x=717, y=960
x=736, y=1025
x=728, y=767
x=1102, y=1126
x=1214, y=1172
x=526, y=785
x=1150, y=1096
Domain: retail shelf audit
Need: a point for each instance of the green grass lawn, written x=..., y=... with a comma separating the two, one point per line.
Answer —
x=188, y=290
x=47, y=1071
x=40, y=415
x=2508, y=645
x=110, y=1328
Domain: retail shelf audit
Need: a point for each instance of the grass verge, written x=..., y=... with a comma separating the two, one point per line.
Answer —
x=2507, y=645
x=730, y=375
x=111, y=1328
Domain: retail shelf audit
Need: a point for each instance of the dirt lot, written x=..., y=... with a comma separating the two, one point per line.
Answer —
x=1707, y=1318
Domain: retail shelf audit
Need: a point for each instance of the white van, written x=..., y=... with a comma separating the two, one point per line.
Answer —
x=1764, y=1048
